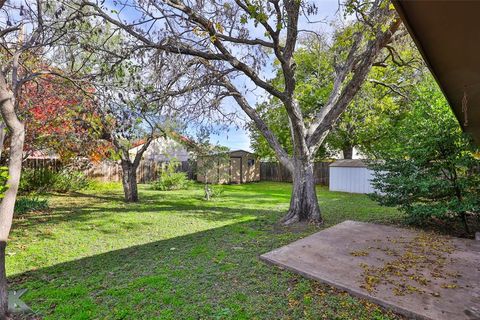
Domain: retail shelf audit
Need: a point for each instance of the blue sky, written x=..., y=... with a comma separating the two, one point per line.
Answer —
x=234, y=136
x=234, y=139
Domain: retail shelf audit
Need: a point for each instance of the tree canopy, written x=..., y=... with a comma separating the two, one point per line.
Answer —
x=382, y=100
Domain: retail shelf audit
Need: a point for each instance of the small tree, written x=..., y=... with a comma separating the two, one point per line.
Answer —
x=431, y=169
x=123, y=122
x=135, y=103
x=211, y=163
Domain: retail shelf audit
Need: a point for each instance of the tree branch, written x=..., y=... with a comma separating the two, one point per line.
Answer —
x=324, y=121
x=281, y=154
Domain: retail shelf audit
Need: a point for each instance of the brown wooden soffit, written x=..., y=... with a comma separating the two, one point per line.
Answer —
x=447, y=33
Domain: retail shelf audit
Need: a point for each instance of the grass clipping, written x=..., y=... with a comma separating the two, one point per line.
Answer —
x=411, y=266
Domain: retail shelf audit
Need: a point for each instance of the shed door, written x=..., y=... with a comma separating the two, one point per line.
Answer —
x=235, y=170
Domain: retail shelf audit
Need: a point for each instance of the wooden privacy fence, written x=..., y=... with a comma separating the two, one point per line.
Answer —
x=41, y=164
x=147, y=171
x=274, y=171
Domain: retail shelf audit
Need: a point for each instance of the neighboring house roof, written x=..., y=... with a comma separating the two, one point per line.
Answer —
x=42, y=154
x=163, y=149
x=239, y=151
x=171, y=135
x=352, y=163
x=447, y=33
x=138, y=143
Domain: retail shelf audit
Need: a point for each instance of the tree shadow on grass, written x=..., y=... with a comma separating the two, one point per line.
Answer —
x=197, y=276
x=209, y=274
x=213, y=274
x=106, y=211
x=209, y=213
x=106, y=196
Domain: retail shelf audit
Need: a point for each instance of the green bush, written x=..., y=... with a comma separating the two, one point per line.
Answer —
x=24, y=205
x=431, y=174
x=170, y=179
x=70, y=180
x=36, y=180
x=98, y=185
x=45, y=180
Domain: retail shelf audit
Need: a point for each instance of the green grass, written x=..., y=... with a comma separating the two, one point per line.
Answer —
x=176, y=256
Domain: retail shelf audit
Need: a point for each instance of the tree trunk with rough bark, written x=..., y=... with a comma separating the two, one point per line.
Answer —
x=17, y=131
x=129, y=181
x=303, y=203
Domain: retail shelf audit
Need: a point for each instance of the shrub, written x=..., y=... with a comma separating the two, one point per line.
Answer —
x=36, y=180
x=24, y=205
x=434, y=174
x=170, y=179
x=98, y=185
x=430, y=169
x=46, y=180
x=70, y=180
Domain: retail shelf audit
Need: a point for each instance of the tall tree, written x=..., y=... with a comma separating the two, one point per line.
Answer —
x=139, y=94
x=220, y=33
x=25, y=31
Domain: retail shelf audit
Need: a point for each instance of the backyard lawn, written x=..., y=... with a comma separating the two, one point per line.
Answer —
x=176, y=256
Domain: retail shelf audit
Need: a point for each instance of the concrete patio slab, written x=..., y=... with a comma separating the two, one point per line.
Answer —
x=418, y=274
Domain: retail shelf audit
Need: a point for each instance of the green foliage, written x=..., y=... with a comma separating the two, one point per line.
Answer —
x=46, y=180
x=314, y=80
x=27, y=204
x=3, y=181
x=170, y=179
x=102, y=186
x=429, y=168
x=70, y=180
x=36, y=180
x=380, y=103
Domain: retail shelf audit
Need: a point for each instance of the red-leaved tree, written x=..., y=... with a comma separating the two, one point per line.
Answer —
x=60, y=118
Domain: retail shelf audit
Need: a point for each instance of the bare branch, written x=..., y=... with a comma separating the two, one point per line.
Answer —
x=261, y=125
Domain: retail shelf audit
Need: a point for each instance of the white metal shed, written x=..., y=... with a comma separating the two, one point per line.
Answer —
x=350, y=175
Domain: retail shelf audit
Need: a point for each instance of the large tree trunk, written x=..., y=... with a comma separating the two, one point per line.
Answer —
x=16, y=127
x=303, y=203
x=129, y=181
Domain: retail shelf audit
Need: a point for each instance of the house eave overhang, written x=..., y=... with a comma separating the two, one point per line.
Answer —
x=447, y=33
